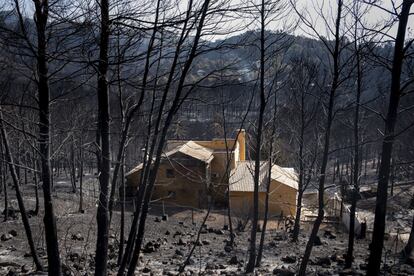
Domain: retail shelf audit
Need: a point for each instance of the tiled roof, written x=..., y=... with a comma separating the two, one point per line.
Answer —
x=194, y=150
x=285, y=176
x=188, y=148
x=241, y=178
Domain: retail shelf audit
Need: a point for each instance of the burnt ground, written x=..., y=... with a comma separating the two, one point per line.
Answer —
x=167, y=243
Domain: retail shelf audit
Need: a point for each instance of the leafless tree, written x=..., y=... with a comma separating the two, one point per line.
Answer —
x=335, y=57
x=304, y=97
x=389, y=135
x=19, y=197
x=266, y=12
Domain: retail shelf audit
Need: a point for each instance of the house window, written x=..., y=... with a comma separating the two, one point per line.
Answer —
x=170, y=173
x=215, y=175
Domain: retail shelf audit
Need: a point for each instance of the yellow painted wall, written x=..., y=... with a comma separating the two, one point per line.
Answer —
x=242, y=144
x=188, y=184
x=190, y=191
x=217, y=144
x=218, y=165
x=282, y=199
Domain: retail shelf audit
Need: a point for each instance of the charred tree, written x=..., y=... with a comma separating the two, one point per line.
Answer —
x=163, y=135
x=252, y=246
x=326, y=147
x=406, y=253
x=102, y=215
x=4, y=183
x=52, y=245
x=19, y=197
x=377, y=243
x=356, y=162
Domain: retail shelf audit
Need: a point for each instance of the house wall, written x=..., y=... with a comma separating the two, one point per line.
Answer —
x=217, y=144
x=192, y=185
x=282, y=199
x=187, y=186
x=219, y=178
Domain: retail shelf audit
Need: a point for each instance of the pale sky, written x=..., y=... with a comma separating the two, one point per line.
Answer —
x=309, y=8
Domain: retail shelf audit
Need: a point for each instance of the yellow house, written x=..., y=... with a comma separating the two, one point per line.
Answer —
x=191, y=172
x=282, y=192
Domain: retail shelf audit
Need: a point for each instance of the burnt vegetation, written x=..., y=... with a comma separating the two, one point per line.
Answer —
x=206, y=137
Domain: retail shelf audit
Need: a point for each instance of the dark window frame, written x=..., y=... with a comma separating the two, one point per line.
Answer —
x=170, y=173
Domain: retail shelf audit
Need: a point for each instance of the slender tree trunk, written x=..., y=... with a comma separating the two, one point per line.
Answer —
x=4, y=180
x=266, y=212
x=229, y=218
x=149, y=150
x=1, y=173
x=19, y=197
x=81, y=177
x=392, y=176
x=269, y=182
x=252, y=247
x=228, y=160
x=73, y=165
x=377, y=244
x=173, y=109
x=408, y=249
x=18, y=160
x=122, y=226
x=36, y=183
x=102, y=216
x=25, y=173
x=296, y=227
x=52, y=245
x=190, y=254
x=356, y=172
x=130, y=115
x=321, y=188
x=366, y=162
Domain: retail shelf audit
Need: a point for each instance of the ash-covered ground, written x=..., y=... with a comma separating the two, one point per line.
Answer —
x=168, y=242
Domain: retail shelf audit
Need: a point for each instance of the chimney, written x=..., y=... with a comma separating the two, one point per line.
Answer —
x=241, y=138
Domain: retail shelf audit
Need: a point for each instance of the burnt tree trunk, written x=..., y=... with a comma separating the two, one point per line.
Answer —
x=252, y=246
x=147, y=162
x=266, y=214
x=4, y=182
x=377, y=243
x=81, y=177
x=406, y=253
x=128, y=120
x=122, y=226
x=52, y=245
x=19, y=197
x=325, y=155
x=36, y=183
x=356, y=168
x=102, y=215
x=170, y=115
x=296, y=227
x=73, y=165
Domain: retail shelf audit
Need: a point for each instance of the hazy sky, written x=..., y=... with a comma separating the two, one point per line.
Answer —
x=309, y=8
x=374, y=15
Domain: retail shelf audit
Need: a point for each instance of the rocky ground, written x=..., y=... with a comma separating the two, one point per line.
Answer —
x=168, y=242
